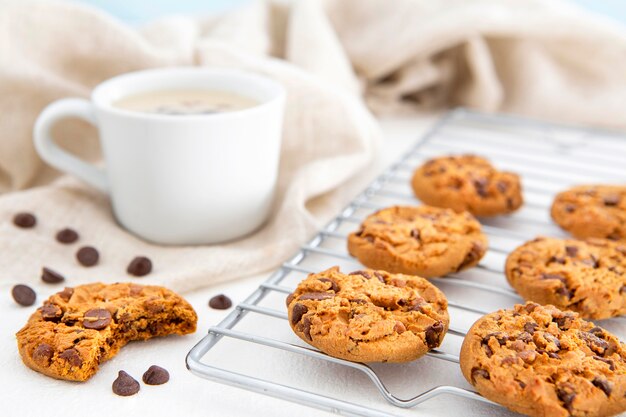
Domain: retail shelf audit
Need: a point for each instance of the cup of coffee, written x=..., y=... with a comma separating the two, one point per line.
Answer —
x=190, y=154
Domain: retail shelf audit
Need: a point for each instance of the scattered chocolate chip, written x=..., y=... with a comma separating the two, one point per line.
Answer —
x=530, y=327
x=611, y=200
x=415, y=234
x=87, y=256
x=72, y=356
x=297, y=312
x=478, y=372
x=432, y=334
x=603, y=384
x=571, y=251
x=51, y=277
x=333, y=285
x=607, y=361
x=43, y=354
x=306, y=328
x=220, y=302
x=566, y=395
x=96, y=318
x=364, y=274
x=155, y=375
x=67, y=236
x=51, y=312
x=125, y=385
x=317, y=296
x=23, y=295
x=66, y=294
x=24, y=220
x=289, y=299
x=140, y=266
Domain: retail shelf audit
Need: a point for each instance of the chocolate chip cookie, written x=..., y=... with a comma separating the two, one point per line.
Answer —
x=419, y=240
x=78, y=328
x=588, y=277
x=592, y=211
x=467, y=182
x=541, y=361
x=369, y=316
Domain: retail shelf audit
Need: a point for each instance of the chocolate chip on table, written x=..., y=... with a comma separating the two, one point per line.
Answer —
x=125, y=385
x=50, y=276
x=140, y=266
x=67, y=236
x=87, y=256
x=24, y=220
x=220, y=302
x=96, y=318
x=23, y=295
x=155, y=375
x=297, y=312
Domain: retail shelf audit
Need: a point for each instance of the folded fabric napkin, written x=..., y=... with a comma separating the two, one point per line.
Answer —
x=533, y=57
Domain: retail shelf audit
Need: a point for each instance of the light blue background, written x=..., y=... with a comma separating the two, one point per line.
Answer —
x=140, y=11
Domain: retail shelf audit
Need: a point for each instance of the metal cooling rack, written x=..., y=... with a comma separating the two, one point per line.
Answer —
x=549, y=158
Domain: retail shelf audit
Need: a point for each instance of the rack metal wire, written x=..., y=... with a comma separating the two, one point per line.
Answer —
x=549, y=157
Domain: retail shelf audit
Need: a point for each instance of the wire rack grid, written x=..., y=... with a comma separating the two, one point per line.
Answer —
x=549, y=158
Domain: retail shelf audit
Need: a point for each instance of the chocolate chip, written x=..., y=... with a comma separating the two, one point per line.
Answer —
x=566, y=395
x=24, y=220
x=571, y=251
x=399, y=327
x=50, y=276
x=530, y=307
x=565, y=291
x=564, y=322
x=527, y=356
x=72, y=356
x=87, y=256
x=43, y=354
x=521, y=384
x=570, y=208
x=502, y=186
x=603, y=384
x=96, y=318
x=415, y=234
x=524, y=337
x=594, y=343
x=433, y=334
x=607, y=361
x=553, y=276
x=597, y=331
x=479, y=372
x=51, y=312
x=552, y=339
x=289, y=299
x=66, y=294
x=593, y=261
x=552, y=355
x=306, y=328
x=333, y=285
x=474, y=254
x=380, y=277
x=480, y=185
x=125, y=385
x=220, y=302
x=509, y=360
x=611, y=200
x=317, y=296
x=23, y=295
x=364, y=274
x=622, y=289
x=140, y=266
x=155, y=375
x=554, y=259
x=530, y=327
x=297, y=312
x=67, y=236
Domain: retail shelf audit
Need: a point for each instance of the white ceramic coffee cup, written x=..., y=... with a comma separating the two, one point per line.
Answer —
x=178, y=179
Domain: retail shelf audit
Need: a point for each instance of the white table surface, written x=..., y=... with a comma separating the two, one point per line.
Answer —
x=26, y=393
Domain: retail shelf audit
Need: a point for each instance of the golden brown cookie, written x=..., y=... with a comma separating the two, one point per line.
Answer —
x=467, y=182
x=592, y=211
x=588, y=277
x=541, y=361
x=78, y=328
x=419, y=240
x=369, y=316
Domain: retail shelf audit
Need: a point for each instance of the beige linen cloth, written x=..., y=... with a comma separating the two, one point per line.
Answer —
x=540, y=58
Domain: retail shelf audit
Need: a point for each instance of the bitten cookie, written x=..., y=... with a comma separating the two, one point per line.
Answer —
x=418, y=240
x=541, y=361
x=369, y=316
x=467, y=182
x=78, y=328
x=592, y=211
x=588, y=277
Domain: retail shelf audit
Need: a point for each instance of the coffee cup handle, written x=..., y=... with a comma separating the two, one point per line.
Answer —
x=56, y=156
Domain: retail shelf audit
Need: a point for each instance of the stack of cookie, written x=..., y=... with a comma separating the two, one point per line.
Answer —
x=535, y=358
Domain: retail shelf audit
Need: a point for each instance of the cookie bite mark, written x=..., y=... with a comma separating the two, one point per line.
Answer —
x=592, y=211
x=368, y=315
x=584, y=276
x=467, y=183
x=542, y=361
x=420, y=240
x=79, y=328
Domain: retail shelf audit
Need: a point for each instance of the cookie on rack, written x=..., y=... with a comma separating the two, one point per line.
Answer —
x=369, y=316
x=467, y=182
x=592, y=211
x=78, y=328
x=420, y=240
x=588, y=277
x=541, y=361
